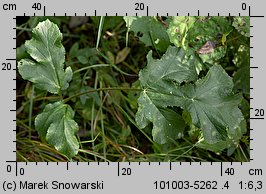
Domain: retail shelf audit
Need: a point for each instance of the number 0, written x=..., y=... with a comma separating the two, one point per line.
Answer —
x=8, y=168
x=244, y=6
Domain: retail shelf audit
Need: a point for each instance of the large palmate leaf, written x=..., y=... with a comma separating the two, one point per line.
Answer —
x=167, y=124
x=56, y=125
x=150, y=31
x=174, y=67
x=210, y=101
x=47, y=68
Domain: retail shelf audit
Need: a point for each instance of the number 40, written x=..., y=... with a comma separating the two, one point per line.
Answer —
x=37, y=6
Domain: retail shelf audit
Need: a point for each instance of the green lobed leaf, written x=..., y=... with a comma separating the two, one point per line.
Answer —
x=56, y=125
x=150, y=31
x=21, y=52
x=74, y=50
x=87, y=56
x=47, y=68
x=229, y=143
x=167, y=124
x=174, y=67
x=210, y=101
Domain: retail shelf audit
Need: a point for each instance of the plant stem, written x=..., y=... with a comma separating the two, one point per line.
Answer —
x=134, y=123
x=99, y=32
x=113, y=65
x=92, y=66
x=102, y=124
x=92, y=115
x=101, y=89
x=97, y=48
x=93, y=153
x=30, y=109
x=242, y=151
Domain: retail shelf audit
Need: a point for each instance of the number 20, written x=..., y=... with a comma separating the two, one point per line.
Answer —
x=139, y=6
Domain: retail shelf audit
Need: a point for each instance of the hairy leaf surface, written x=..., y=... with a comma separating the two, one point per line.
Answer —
x=47, y=68
x=56, y=125
x=210, y=101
